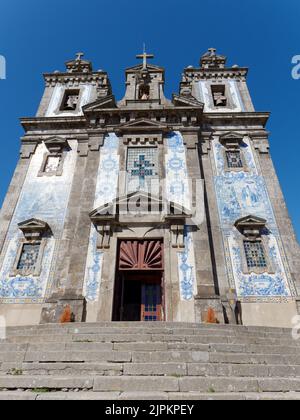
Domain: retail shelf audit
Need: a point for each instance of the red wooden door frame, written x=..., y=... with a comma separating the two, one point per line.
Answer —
x=144, y=256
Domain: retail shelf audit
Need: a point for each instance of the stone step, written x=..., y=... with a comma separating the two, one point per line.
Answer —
x=174, y=342
x=198, y=355
x=195, y=356
x=213, y=357
x=151, y=369
x=139, y=343
x=46, y=382
x=63, y=369
x=245, y=358
x=209, y=369
x=142, y=396
x=190, y=384
x=148, y=328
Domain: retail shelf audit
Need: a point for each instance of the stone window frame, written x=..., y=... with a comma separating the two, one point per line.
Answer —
x=233, y=143
x=57, y=147
x=35, y=232
x=219, y=88
x=139, y=142
x=36, y=272
x=253, y=229
x=68, y=91
x=60, y=168
x=230, y=104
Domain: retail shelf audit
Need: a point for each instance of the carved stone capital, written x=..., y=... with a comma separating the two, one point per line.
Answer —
x=177, y=234
x=95, y=143
x=27, y=150
x=83, y=149
x=105, y=231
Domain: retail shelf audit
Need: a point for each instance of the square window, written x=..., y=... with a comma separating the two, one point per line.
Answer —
x=142, y=168
x=234, y=159
x=52, y=164
x=255, y=254
x=219, y=95
x=70, y=100
x=29, y=257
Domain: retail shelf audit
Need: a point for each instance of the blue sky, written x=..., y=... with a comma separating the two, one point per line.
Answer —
x=38, y=36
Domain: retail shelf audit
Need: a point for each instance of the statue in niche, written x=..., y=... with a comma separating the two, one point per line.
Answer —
x=144, y=92
x=72, y=102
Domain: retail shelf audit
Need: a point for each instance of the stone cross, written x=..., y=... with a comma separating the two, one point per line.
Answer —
x=144, y=57
x=143, y=169
x=79, y=56
x=212, y=51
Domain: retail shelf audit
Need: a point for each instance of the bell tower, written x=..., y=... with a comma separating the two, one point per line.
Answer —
x=144, y=84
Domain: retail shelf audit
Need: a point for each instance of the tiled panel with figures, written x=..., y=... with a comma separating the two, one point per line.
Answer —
x=42, y=198
x=242, y=194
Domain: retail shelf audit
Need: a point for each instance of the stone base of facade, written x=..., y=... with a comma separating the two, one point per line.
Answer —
x=19, y=315
x=203, y=305
x=257, y=314
x=279, y=315
x=55, y=308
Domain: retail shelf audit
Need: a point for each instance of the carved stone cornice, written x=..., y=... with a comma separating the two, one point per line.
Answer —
x=236, y=120
x=73, y=79
x=53, y=123
x=195, y=74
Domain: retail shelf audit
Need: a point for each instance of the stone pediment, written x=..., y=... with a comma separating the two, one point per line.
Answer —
x=56, y=143
x=150, y=67
x=143, y=124
x=231, y=139
x=231, y=135
x=142, y=204
x=33, y=227
x=184, y=101
x=104, y=103
x=250, y=225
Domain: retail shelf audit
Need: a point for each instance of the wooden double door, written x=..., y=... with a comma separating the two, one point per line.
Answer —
x=139, y=292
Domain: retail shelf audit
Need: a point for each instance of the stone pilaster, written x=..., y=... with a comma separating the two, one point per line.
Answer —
x=206, y=280
x=70, y=268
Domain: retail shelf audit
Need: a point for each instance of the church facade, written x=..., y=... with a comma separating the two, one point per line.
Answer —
x=147, y=209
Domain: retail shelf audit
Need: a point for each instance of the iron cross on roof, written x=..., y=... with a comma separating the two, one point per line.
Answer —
x=144, y=57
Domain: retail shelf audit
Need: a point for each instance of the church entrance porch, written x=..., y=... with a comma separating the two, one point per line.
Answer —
x=139, y=291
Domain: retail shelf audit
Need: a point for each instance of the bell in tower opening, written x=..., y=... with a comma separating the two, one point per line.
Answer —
x=144, y=85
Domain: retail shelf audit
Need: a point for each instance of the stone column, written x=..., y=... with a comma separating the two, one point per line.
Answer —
x=206, y=275
x=70, y=268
